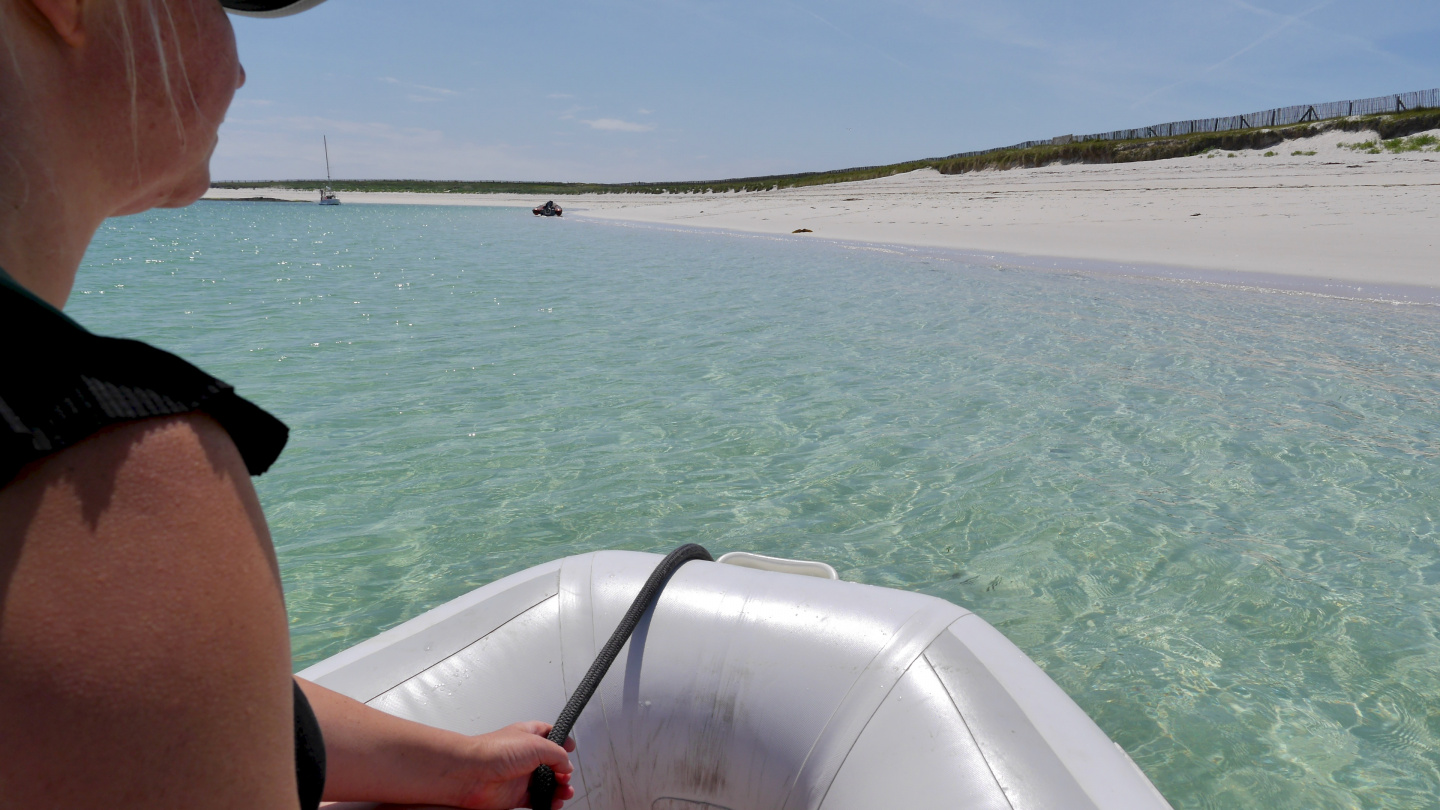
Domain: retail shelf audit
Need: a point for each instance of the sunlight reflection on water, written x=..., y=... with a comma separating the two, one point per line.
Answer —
x=1209, y=514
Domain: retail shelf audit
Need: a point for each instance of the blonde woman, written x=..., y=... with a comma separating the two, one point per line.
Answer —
x=144, y=656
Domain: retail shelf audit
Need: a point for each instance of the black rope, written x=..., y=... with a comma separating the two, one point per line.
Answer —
x=542, y=780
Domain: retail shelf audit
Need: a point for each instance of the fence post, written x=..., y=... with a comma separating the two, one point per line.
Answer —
x=1418, y=100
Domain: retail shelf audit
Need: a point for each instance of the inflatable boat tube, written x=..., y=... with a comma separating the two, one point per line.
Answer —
x=751, y=689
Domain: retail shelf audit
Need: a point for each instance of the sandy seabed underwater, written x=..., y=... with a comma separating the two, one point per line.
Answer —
x=1209, y=514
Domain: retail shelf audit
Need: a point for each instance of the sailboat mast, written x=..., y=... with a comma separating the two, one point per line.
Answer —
x=327, y=197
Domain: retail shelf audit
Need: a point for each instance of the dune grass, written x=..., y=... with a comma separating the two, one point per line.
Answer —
x=1390, y=127
x=1415, y=143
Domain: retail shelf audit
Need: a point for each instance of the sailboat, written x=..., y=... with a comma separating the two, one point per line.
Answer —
x=327, y=197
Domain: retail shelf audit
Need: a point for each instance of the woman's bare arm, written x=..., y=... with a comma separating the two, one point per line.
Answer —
x=374, y=756
x=144, y=655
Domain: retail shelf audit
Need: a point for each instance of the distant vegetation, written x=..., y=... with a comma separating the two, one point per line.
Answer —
x=556, y=189
x=1389, y=127
x=1393, y=129
x=1417, y=143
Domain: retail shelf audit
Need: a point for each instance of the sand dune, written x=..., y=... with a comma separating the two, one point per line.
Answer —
x=1340, y=219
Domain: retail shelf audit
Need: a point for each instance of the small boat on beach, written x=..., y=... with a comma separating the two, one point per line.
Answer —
x=751, y=683
x=549, y=209
x=327, y=197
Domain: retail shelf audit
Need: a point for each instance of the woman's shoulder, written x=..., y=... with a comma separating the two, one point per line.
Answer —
x=63, y=384
x=146, y=630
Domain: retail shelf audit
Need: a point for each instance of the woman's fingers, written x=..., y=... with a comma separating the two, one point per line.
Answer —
x=540, y=729
x=554, y=756
x=554, y=759
x=535, y=727
x=563, y=794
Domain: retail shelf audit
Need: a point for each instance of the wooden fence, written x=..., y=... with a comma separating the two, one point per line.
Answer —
x=1278, y=117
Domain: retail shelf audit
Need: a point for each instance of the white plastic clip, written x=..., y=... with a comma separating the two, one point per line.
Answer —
x=805, y=568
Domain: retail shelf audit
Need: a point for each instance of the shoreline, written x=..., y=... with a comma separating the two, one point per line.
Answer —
x=1321, y=287
x=1339, y=222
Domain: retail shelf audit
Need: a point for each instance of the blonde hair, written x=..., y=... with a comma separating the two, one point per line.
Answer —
x=6, y=26
x=151, y=21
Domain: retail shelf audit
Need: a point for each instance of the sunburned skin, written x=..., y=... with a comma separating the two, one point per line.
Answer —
x=144, y=650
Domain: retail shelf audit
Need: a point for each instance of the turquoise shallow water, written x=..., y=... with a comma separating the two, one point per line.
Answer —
x=1211, y=515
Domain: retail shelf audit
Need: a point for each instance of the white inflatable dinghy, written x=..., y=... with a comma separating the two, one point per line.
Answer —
x=754, y=684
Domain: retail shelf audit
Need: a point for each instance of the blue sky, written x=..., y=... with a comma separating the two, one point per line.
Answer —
x=634, y=90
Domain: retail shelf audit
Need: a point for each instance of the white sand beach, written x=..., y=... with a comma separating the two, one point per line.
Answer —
x=1340, y=218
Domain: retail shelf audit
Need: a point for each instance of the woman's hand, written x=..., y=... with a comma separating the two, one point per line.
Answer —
x=496, y=768
x=372, y=756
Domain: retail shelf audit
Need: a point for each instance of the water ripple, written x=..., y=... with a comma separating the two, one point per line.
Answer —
x=1210, y=514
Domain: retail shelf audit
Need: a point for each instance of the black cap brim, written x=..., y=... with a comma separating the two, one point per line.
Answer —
x=268, y=8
